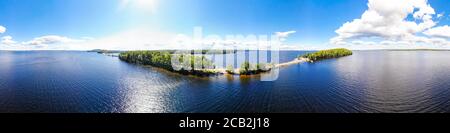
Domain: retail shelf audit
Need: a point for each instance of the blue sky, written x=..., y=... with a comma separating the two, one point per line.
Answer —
x=315, y=21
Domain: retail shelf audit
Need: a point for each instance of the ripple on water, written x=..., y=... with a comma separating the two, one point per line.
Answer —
x=368, y=81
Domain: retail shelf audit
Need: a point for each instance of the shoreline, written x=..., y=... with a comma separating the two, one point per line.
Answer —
x=223, y=71
x=163, y=59
x=293, y=62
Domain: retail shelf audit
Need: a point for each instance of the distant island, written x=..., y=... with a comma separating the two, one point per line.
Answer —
x=112, y=53
x=326, y=54
x=199, y=65
x=163, y=59
x=104, y=51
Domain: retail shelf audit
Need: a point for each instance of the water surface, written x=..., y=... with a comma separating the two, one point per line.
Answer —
x=368, y=81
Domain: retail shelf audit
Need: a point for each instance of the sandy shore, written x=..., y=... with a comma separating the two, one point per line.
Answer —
x=295, y=61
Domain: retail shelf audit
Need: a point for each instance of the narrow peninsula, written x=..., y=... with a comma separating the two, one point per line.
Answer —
x=199, y=65
x=188, y=64
x=326, y=54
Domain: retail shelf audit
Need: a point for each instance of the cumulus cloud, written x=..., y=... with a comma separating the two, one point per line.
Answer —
x=49, y=42
x=7, y=43
x=142, y=38
x=136, y=39
x=2, y=29
x=7, y=40
x=50, y=39
x=387, y=20
x=440, y=31
x=283, y=35
x=133, y=39
x=145, y=38
x=252, y=42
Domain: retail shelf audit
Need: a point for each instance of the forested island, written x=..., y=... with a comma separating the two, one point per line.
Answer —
x=197, y=65
x=163, y=59
x=327, y=54
x=195, y=62
x=249, y=69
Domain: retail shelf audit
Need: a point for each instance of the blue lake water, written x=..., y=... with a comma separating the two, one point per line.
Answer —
x=368, y=81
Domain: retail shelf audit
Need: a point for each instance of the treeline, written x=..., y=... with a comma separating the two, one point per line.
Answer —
x=249, y=69
x=187, y=63
x=104, y=51
x=208, y=51
x=327, y=54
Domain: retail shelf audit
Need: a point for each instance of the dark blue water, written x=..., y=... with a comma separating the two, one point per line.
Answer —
x=368, y=81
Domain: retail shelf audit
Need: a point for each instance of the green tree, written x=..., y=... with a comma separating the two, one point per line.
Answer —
x=163, y=59
x=245, y=68
x=326, y=54
x=230, y=69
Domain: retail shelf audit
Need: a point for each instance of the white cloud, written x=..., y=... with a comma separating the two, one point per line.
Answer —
x=283, y=35
x=387, y=20
x=7, y=43
x=49, y=42
x=148, y=39
x=139, y=39
x=2, y=29
x=440, y=15
x=50, y=39
x=7, y=40
x=441, y=31
x=134, y=39
x=299, y=47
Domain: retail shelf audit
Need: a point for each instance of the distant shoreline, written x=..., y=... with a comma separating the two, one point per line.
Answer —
x=418, y=50
x=56, y=50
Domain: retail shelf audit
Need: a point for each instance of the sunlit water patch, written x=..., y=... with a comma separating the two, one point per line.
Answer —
x=368, y=81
